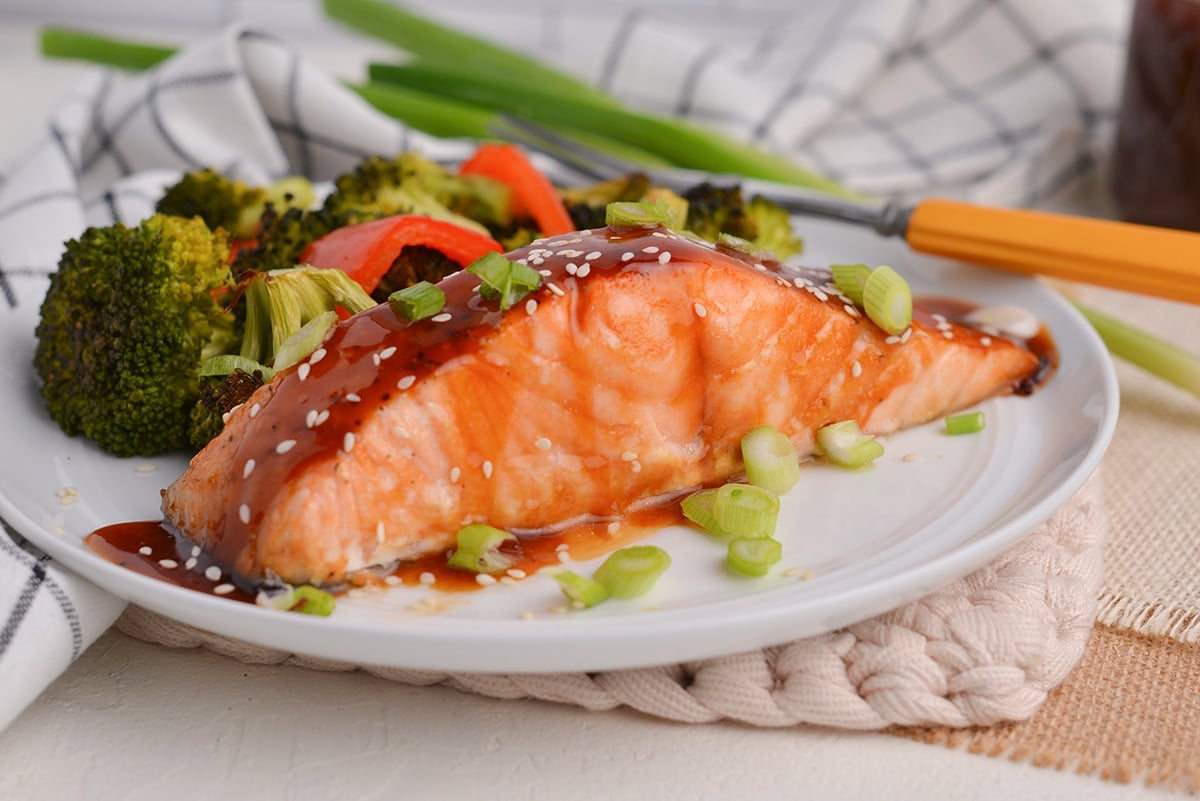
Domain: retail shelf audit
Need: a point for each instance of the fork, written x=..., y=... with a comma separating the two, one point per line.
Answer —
x=1135, y=258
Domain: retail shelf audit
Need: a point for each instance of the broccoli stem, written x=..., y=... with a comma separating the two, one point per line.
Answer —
x=1148, y=352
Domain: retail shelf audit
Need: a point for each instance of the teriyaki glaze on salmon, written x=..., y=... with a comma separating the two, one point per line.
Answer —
x=626, y=379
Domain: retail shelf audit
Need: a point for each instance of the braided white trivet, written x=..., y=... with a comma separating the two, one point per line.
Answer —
x=984, y=649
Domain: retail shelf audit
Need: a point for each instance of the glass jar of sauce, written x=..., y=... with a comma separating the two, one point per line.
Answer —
x=1156, y=159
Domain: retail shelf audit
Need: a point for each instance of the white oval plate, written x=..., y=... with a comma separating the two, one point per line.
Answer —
x=856, y=544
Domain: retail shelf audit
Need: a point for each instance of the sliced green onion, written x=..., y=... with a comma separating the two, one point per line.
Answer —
x=850, y=279
x=698, y=507
x=771, y=460
x=845, y=444
x=226, y=363
x=967, y=423
x=503, y=280
x=418, y=301
x=310, y=600
x=302, y=343
x=753, y=556
x=887, y=300
x=746, y=511
x=581, y=591
x=631, y=572
x=478, y=549
x=636, y=214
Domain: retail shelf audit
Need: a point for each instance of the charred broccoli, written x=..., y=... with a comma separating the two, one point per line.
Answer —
x=219, y=394
x=587, y=204
x=129, y=316
x=282, y=237
x=138, y=322
x=231, y=204
x=714, y=210
x=409, y=184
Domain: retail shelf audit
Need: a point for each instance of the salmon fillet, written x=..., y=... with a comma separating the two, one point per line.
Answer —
x=628, y=377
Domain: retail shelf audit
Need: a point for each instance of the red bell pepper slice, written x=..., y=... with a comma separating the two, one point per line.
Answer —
x=366, y=251
x=532, y=192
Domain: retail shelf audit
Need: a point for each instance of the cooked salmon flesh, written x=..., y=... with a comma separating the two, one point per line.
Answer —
x=628, y=377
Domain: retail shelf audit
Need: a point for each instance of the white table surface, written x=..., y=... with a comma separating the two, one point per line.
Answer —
x=136, y=721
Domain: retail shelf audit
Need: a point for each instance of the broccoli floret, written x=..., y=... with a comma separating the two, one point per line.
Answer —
x=231, y=204
x=282, y=237
x=587, y=204
x=129, y=316
x=415, y=264
x=409, y=184
x=714, y=210
x=218, y=396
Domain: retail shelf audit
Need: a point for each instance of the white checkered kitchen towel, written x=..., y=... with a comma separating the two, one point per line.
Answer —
x=1007, y=101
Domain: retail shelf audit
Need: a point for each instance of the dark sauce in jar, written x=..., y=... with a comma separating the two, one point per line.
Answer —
x=1156, y=159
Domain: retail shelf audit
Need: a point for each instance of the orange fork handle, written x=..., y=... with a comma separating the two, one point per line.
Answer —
x=1137, y=258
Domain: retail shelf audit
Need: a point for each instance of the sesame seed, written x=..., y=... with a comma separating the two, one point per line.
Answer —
x=244, y=513
x=484, y=580
x=571, y=268
x=190, y=563
x=542, y=443
x=530, y=306
x=700, y=310
x=555, y=289
x=627, y=256
x=317, y=355
x=545, y=273
x=348, y=442
x=444, y=317
x=145, y=550
x=380, y=532
x=212, y=573
x=635, y=466
x=564, y=556
x=195, y=550
x=406, y=382
x=948, y=334
x=584, y=271
x=508, y=580
x=516, y=572
x=255, y=409
x=455, y=474
x=375, y=359
x=664, y=257
x=535, y=260
x=614, y=527
x=487, y=469
x=595, y=254
x=562, y=546
x=303, y=370
x=310, y=419
x=850, y=310
x=285, y=446
x=352, y=397
x=650, y=249
x=393, y=581
x=223, y=589
x=387, y=352
x=985, y=341
x=168, y=563
x=629, y=456
x=427, y=578
x=856, y=369
x=322, y=416
x=892, y=340
x=906, y=335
